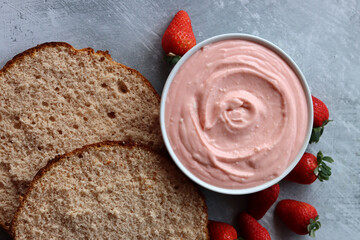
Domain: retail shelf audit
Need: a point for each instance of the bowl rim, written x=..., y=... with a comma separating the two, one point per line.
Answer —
x=288, y=60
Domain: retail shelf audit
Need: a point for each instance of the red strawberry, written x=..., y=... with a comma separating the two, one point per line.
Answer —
x=321, y=112
x=260, y=202
x=179, y=37
x=221, y=231
x=321, y=118
x=250, y=229
x=310, y=168
x=300, y=217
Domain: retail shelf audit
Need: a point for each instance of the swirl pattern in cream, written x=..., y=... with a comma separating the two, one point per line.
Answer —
x=236, y=114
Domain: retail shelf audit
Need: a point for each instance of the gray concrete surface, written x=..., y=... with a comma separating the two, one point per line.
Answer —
x=321, y=36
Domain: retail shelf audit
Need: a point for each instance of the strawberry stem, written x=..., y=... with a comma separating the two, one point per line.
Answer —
x=323, y=171
x=172, y=59
x=317, y=132
x=313, y=226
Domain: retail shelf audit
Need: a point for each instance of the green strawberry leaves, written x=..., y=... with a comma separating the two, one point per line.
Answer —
x=317, y=132
x=323, y=171
x=172, y=59
x=313, y=226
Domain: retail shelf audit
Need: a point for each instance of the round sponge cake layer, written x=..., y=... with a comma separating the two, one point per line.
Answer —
x=111, y=191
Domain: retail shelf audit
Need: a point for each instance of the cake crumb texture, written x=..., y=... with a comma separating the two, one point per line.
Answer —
x=111, y=191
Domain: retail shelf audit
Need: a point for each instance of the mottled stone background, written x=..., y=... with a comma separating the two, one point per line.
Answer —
x=321, y=36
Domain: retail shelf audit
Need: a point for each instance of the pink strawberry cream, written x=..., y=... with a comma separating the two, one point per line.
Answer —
x=236, y=114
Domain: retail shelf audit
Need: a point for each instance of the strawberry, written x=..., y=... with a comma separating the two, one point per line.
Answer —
x=321, y=118
x=221, y=231
x=321, y=112
x=260, y=202
x=250, y=229
x=300, y=217
x=311, y=168
x=178, y=37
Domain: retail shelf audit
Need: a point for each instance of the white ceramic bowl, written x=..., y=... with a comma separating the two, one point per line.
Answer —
x=295, y=68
